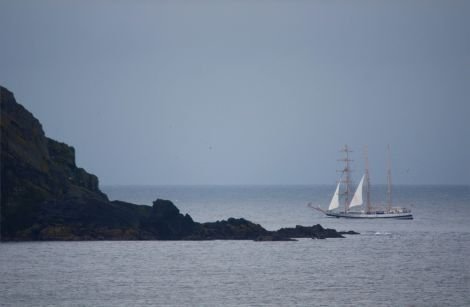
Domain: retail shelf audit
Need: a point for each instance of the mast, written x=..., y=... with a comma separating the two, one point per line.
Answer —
x=367, y=177
x=389, y=181
x=346, y=176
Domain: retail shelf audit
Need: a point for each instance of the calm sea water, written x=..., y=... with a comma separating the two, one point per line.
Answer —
x=423, y=262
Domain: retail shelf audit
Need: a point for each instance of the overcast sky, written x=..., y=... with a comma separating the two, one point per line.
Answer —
x=246, y=92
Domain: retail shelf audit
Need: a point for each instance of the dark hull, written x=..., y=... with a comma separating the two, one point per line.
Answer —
x=349, y=215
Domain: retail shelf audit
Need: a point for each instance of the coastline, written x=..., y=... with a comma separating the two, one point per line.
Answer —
x=46, y=196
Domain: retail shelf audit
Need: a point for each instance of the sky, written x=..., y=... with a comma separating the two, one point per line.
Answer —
x=246, y=92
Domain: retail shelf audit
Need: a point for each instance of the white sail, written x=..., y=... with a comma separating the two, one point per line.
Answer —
x=357, y=198
x=335, y=200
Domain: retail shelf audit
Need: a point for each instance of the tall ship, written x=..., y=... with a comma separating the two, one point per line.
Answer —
x=353, y=204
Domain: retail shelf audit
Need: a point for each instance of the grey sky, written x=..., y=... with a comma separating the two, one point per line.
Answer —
x=243, y=92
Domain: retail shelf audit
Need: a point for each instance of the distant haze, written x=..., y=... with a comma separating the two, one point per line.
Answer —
x=246, y=92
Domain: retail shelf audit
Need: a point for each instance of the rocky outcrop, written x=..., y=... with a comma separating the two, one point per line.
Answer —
x=234, y=229
x=315, y=232
x=92, y=219
x=45, y=196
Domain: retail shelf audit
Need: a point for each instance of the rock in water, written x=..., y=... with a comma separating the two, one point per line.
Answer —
x=350, y=232
x=234, y=229
x=315, y=232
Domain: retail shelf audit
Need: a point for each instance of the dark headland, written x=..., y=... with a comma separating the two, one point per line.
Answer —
x=45, y=196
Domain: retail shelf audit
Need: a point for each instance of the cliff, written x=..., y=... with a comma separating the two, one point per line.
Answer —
x=45, y=196
x=36, y=168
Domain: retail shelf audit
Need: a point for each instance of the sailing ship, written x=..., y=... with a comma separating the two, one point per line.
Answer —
x=366, y=211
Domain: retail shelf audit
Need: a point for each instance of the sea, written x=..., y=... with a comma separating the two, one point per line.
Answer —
x=420, y=262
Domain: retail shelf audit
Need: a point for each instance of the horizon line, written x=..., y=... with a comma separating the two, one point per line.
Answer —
x=269, y=184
